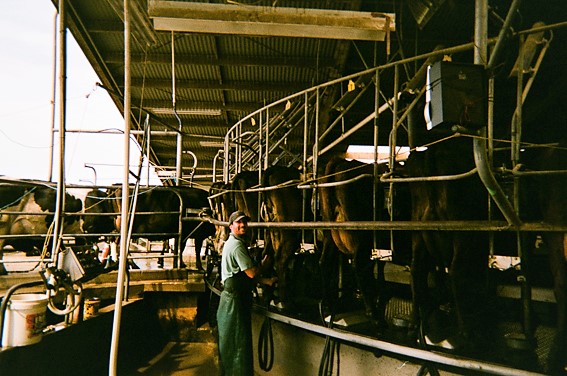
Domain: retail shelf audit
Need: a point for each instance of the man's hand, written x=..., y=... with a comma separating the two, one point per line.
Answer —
x=269, y=281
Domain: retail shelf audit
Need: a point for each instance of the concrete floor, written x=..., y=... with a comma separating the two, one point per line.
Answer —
x=184, y=359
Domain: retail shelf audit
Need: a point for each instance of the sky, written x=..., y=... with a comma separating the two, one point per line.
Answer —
x=26, y=75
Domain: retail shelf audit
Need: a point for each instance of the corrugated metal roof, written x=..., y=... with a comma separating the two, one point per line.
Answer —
x=232, y=75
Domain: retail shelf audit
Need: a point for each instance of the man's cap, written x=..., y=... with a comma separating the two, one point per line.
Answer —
x=237, y=216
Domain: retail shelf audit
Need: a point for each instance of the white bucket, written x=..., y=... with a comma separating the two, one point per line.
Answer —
x=24, y=320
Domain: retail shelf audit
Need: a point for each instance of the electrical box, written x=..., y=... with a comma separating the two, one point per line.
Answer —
x=456, y=94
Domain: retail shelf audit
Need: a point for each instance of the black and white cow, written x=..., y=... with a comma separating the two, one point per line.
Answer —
x=33, y=207
x=167, y=210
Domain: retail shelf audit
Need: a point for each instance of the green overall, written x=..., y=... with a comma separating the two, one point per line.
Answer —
x=234, y=311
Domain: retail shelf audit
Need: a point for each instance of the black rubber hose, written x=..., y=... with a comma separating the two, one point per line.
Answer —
x=266, y=346
x=331, y=346
x=332, y=349
x=6, y=299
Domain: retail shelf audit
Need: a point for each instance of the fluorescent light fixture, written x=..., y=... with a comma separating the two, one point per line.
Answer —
x=365, y=153
x=188, y=111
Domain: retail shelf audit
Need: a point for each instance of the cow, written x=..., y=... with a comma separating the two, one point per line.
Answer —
x=99, y=202
x=165, y=204
x=248, y=202
x=551, y=195
x=283, y=202
x=220, y=200
x=457, y=259
x=32, y=199
x=346, y=194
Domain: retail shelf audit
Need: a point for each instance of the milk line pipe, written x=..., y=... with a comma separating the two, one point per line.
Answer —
x=498, y=226
x=130, y=257
x=27, y=260
x=430, y=356
x=76, y=214
x=393, y=180
x=287, y=184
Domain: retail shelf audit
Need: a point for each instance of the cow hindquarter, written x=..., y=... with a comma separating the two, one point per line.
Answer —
x=552, y=202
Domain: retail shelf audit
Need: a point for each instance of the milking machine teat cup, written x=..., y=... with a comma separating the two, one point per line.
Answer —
x=63, y=282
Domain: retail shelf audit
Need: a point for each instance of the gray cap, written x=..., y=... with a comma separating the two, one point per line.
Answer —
x=237, y=216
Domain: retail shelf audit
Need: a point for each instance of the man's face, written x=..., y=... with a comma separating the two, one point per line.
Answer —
x=239, y=227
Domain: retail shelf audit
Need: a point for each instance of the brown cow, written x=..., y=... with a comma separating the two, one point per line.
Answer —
x=458, y=259
x=220, y=200
x=552, y=203
x=353, y=201
x=248, y=202
x=283, y=202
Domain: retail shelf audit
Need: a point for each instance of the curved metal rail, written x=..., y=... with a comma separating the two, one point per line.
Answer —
x=423, y=355
x=373, y=343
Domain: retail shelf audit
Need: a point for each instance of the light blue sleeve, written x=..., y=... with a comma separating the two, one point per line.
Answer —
x=243, y=259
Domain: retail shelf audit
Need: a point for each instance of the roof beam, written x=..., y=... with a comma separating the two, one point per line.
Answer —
x=269, y=21
x=286, y=87
x=181, y=103
x=209, y=60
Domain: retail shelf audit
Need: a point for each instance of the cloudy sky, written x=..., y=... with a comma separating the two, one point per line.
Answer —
x=26, y=76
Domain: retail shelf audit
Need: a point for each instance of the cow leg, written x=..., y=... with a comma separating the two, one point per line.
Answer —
x=382, y=293
x=179, y=248
x=467, y=275
x=198, y=246
x=422, y=306
x=364, y=271
x=329, y=266
x=282, y=263
x=164, y=249
x=557, y=358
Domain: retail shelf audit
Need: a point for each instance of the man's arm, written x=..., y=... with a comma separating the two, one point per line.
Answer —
x=256, y=271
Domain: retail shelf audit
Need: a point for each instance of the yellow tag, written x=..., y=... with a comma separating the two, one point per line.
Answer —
x=351, y=85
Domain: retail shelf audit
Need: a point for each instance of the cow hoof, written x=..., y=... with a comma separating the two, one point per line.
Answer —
x=279, y=306
x=444, y=343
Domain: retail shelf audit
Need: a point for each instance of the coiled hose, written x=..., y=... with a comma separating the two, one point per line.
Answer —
x=266, y=345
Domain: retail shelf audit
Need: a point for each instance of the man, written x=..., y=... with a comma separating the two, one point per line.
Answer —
x=239, y=276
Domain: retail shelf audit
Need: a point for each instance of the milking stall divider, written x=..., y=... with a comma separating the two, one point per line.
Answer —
x=303, y=109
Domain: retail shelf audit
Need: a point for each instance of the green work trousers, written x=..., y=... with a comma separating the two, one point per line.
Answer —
x=235, y=327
